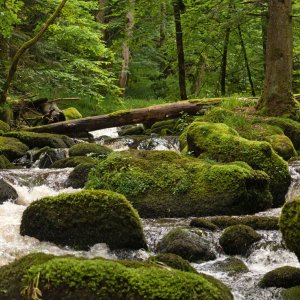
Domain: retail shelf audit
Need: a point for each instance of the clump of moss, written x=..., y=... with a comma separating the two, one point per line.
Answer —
x=284, y=277
x=187, y=244
x=255, y=222
x=83, y=219
x=221, y=143
x=237, y=239
x=174, y=261
x=131, y=130
x=204, y=223
x=5, y=163
x=4, y=127
x=89, y=148
x=12, y=148
x=40, y=140
x=166, y=184
x=289, y=224
x=71, y=113
x=72, y=162
x=164, y=127
x=232, y=265
x=79, y=176
x=291, y=293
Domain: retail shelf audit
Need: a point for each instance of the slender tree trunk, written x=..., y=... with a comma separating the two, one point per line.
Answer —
x=201, y=67
x=177, y=6
x=163, y=23
x=224, y=62
x=100, y=17
x=124, y=75
x=277, y=98
x=26, y=46
x=264, y=21
x=246, y=61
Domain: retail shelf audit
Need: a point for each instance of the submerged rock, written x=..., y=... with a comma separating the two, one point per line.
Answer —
x=7, y=192
x=82, y=219
x=187, y=244
x=77, y=278
x=166, y=184
x=237, y=239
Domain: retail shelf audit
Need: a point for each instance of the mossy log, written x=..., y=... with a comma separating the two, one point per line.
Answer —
x=152, y=114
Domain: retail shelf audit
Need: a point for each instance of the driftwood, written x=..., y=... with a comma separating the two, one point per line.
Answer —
x=81, y=127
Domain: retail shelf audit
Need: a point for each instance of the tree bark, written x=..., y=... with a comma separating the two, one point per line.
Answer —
x=177, y=6
x=224, y=62
x=81, y=127
x=246, y=61
x=277, y=98
x=24, y=47
x=200, y=73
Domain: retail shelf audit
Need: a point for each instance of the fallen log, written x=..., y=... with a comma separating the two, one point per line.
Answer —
x=81, y=127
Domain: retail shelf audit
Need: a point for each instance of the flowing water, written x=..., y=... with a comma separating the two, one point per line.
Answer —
x=34, y=183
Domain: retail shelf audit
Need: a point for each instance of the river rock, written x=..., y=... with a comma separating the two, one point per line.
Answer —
x=72, y=162
x=79, y=176
x=167, y=184
x=12, y=148
x=47, y=156
x=85, y=218
x=219, y=142
x=7, y=192
x=79, y=278
x=89, y=148
x=237, y=239
x=231, y=265
x=291, y=293
x=187, y=244
x=289, y=224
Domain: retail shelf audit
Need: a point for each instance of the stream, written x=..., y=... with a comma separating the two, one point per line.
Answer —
x=33, y=183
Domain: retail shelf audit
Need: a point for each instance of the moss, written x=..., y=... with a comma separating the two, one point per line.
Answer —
x=284, y=277
x=174, y=261
x=71, y=278
x=165, y=184
x=237, y=239
x=119, y=113
x=5, y=163
x=79, y=176
x=255, y=222
x=83, y=219
x=204, y=223
x=40, y=140
x=71, y=113
x=167, y=126
x=88, y=148
x=289, y=224
x=72, y=162
x=291, y=293
x=187, y=244
x=6, y=114
x=4, y=127
x=12, y=148
x=132, y=130
x=219, y=142
x=231, y=265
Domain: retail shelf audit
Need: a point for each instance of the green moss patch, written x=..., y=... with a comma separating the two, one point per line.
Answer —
x=5, y=163
x=72, y=162
x=12, y=148
x=71, y=113
x=231, y=265
x=89, y=148
x=291, y=293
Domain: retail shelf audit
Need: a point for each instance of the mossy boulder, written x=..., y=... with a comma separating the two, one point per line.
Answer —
x=166, y=127
x=237, y=239
x=40, y=140
x=79, y=176
x=7, y=192
x=231, y=265
x=71, y=113
x=131, y=130
x=188, y=244
x=72, y=162
x=166, y=184
x=255, y=222
x=289, y=224
x=291, y=293
x=47, y=156
x=74, y=278
x=282, y=145
x=204, y=223
x=12, y=148
x=5, y=163
x=221, y=143
x=284, y=277
x=89, y=148
x=174, y=261
x=4, y=127
x=83, y=219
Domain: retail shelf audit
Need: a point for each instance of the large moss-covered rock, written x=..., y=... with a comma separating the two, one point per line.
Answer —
x=289, y=224
x=237, y=239
x=79, y=176
x=284, y=277
x=72, y=162
x=40, y=140
x=83, y=219
x=223, y=144
x=71, y=113
x=187, y=244
x=12, y=148
x=69, y=278
x=166, y=184
x=89, y=148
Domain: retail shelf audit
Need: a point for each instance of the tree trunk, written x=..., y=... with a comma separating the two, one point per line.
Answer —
x=177, y=6
x=200, y=73
x=124, y=75
x=246, y=61
x=277, y=98
x=24, y=47
x=100, y=17
x=163, y=23
x=264, y=21
x=224, y=62
x=81, y=127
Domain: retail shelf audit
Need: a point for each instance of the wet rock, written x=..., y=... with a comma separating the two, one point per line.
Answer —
x=237, y=239
x=204, y=223
x=47, y=156
x=79, y=176
x=232, y=265
x=72, y=162
x=7, y=192
x=131, y=130
x=284, y=277
x=187, y=244
x=89, y=148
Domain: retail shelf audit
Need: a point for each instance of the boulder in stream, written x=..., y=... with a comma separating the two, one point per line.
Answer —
x=89, y=148
x=72, y=162
x=12, y=148
x=83, y=219
x=7, y=192
x=79, y=176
